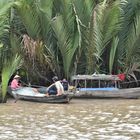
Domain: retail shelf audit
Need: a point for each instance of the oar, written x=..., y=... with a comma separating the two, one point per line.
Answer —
x=15, y=96
x=16, y=99
x=29, y=85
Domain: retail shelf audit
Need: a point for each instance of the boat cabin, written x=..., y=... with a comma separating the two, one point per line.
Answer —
x=96, y=82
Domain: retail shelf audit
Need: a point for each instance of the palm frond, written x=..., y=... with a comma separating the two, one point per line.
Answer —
x=5, y=7
x=95, y=37
x=44, y=10
x=128, y=48
x=105, y=23
x=113, y=53
x=67, y=31
x=9, y=68
x=27, y=12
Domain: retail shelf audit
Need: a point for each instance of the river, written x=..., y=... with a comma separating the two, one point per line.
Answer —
x=79, y=120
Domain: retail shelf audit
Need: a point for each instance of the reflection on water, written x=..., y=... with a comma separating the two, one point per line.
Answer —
x=79, y=120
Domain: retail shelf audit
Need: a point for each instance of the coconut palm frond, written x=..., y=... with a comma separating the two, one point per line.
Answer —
x=51, y=61
x=67, y=30
x=86, y=7
x=15, y=44
x=5, y=7
x=112, y=53
x=9, y=68
x=135, y=67
x=27, y=11
x=44, y=10
x=33, y=50
x=113, y=20
x=132, y=47
x=129, y=35
x=105, y=24
x=95, y=37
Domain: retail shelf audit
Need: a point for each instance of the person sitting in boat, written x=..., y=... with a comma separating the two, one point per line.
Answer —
x=56, y=88
x=65, y=84
x=15, y=84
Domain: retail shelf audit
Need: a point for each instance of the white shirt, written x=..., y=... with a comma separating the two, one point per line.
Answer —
x=59, y=87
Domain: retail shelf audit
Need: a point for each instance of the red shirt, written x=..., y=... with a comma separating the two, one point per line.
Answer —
x=121, y=76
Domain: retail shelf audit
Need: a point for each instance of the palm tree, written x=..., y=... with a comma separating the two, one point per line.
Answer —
x=66, y=37
x=128, y=49
x=105, y=23
x=35, y=17
x=67, y=27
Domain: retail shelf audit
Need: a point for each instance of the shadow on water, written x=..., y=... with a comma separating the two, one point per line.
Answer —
x=81, y=119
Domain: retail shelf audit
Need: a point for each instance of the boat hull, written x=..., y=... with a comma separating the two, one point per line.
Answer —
x=28, y=94
x=45, y=99
x=131, y=93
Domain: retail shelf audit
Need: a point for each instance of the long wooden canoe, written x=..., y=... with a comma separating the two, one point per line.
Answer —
x=104, y=93
x=102, y=87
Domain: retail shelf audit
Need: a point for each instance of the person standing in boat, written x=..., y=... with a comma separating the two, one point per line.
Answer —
x=15, y=84
x=56, y=88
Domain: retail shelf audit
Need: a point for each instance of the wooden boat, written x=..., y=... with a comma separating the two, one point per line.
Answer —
x=131, y=93
x=28, y=94
x=105, y=87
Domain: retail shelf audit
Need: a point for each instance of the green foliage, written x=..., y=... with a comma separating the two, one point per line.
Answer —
x=5, y=6
x=67, y=30
x=128, y=49
x=67, y=37
x=9, y=68
x=112, y=53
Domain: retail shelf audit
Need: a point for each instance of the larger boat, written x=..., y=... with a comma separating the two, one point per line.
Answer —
x=101, y=86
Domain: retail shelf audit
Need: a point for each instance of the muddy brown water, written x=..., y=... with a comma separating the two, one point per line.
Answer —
x=79, y=120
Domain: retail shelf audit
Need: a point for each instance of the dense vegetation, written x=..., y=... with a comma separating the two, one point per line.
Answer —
x=42, y=38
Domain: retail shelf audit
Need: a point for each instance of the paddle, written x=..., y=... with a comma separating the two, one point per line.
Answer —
x=15, y=96
x=16, y=99
x=29, y=85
